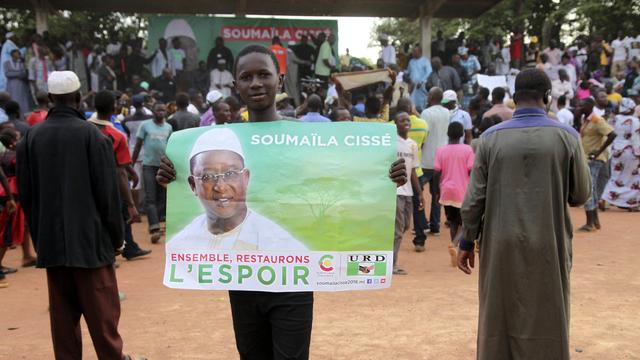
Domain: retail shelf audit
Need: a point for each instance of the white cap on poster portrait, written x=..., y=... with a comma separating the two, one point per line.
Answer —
x=63, y=82
x=217, y=139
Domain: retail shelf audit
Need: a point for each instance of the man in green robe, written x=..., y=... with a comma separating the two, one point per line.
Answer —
x=527, y=170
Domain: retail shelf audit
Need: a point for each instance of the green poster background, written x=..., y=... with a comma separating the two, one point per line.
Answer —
x=206, y=28
x=336, y=198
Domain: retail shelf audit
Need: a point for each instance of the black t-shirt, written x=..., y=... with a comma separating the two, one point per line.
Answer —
x=216, y=54
x=165, y=87
x=304, y=52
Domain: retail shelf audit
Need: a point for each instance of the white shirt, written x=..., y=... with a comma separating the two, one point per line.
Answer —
x=559, y=88
x=462, y=117
x=113, y=49
x=193, y=109
x=221, y=78
x=634, y=47
x=132, y=110
x=407, y=150
x=256, y=232
x=598, y=111
x=331, y=91
x=581, y=56
x=571, y=71
x=551, y=71
x=437, y=118
x=619, y=50
x=502, y=65
x=554, y=55
x=565, y=116
x=388, y=55
x=158, y=63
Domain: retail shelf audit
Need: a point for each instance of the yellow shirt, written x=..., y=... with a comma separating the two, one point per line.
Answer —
x=345, y=60
x=604, y=58
x=594, y=134
x=245, y=116
x=419, y=132
x=614, y=97
x=384, y=116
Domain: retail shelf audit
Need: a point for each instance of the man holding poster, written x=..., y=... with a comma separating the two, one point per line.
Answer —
x=273, y=325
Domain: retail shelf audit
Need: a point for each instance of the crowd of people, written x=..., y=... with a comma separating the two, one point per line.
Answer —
x=586, y=97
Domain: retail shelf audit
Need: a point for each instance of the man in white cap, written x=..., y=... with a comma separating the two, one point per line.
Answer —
x=221, y=78
x=450, y=101
x=207, y=118
x=267, y=325
x=220, y=179
x=75, y=218
x=5, y=55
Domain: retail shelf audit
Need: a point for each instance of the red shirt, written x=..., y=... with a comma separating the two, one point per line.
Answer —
x=516, y=47
x=37, y=116
x=281, y=55
x=120, y=147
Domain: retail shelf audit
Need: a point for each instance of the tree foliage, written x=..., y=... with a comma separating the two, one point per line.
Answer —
x=547, y=19
x=89, y=26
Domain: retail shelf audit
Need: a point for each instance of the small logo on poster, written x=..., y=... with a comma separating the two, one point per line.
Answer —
x=367, y=265
x=382, y=281
x=326, y=263
x=369, y=281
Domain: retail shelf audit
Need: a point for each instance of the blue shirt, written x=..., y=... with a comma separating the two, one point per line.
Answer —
x=314, y=117
x=117, y=124
x=114, y=121
x=419, y=70
x=155, y=139
x=471, y=65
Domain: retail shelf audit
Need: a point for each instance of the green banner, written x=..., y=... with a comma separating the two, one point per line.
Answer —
x=198, y=33
x=281, y=206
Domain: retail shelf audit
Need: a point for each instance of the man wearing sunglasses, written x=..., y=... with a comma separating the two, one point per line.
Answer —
x=220, y=180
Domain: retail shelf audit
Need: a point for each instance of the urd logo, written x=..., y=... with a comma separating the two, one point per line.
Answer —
x=367, y=265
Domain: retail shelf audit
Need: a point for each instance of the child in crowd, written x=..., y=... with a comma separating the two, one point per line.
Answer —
x=408, y=150
x=152, y=136
x=453, y=165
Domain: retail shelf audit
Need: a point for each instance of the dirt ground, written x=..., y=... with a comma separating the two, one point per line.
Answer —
x=429, y=314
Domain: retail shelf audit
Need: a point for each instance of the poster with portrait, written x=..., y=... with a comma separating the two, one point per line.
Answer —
x=197, y=34
x=281, y=206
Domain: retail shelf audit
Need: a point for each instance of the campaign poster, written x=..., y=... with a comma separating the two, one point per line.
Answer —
x=198, y=33
x=281, y=206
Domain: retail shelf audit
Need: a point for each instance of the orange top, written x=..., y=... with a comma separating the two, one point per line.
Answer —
x=281, y=55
